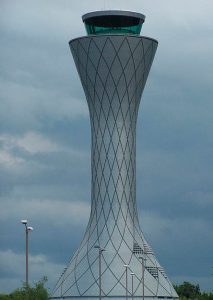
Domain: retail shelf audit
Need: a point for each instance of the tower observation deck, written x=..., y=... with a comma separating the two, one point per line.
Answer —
x=113, y=22
x=113, y=62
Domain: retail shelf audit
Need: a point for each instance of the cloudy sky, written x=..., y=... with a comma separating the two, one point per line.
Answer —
x=45, y=137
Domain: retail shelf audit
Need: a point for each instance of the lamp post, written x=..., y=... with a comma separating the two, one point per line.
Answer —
x=100, y=250
x=132, y=274
x=143, y=260
x=126, y=267
x=27, y=229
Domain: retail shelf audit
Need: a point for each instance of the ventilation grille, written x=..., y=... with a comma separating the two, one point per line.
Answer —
x=148, y=249
x=161, y=269
x=137, y=249
x=153, y=271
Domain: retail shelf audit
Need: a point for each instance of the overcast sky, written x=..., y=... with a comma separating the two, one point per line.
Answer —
x=45, y=137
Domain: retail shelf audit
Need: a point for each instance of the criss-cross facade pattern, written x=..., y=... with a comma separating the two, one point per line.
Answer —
x=113, y=70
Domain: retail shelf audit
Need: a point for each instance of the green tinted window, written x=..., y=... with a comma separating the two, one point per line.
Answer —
x=92, y=29
x=113, y=24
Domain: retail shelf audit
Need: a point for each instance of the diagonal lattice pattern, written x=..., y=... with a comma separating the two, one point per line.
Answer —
x=113, y=70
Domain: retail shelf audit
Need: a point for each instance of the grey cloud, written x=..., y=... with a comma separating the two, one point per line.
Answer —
x=12, y=271
x=187, y=234
x=41, y=94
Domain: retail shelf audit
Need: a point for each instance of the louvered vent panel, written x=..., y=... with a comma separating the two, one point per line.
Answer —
x=148, y=249
x=161, y=269
x=153, y=271
x=137, y=249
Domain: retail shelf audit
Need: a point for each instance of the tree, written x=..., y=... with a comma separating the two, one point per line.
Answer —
x=4, y=297
x=188, y=290
x=26, y=292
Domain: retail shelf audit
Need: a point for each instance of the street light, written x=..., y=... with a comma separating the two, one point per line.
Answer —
x=27, y=229
x=132, y=274
x=143, y=260
x=127, y=267
x=100, y=250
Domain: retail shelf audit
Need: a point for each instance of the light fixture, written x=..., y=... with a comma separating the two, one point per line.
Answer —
x=27, y=229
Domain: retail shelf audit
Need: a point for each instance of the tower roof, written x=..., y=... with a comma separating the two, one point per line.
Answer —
x=113, y=21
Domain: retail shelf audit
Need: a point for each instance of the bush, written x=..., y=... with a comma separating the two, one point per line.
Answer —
x=187, y=291
x=39, y=292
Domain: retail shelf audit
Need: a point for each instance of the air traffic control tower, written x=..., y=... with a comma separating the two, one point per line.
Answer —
x=114, y=260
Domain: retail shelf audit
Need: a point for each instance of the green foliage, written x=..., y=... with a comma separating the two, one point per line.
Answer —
x=4, y=297
x=189, y=291
x=186, y=291
x=26, y=292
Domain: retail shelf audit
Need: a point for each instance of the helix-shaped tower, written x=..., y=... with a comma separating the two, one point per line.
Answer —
x=113, y=62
